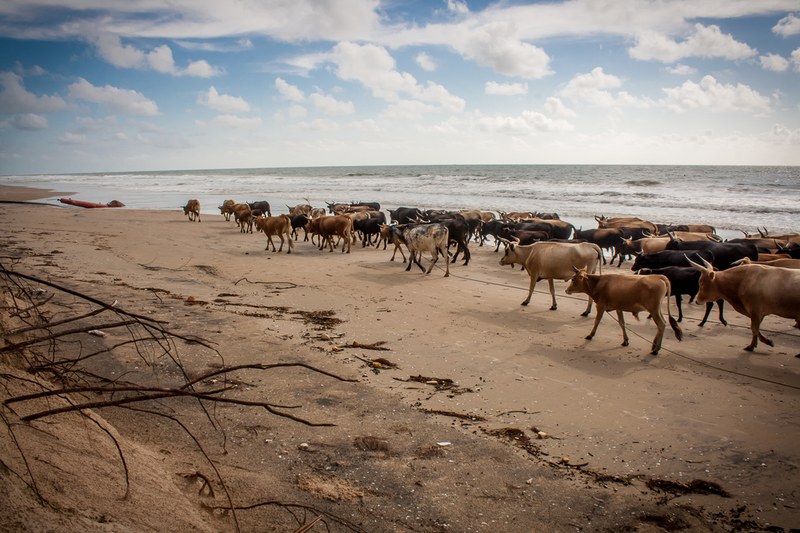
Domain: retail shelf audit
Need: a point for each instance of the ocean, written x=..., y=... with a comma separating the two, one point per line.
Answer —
x=731, y=198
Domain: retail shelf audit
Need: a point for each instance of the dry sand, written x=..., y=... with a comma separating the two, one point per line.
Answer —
x=623, y=430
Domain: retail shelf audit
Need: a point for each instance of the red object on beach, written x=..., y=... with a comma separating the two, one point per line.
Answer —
x=81, y=203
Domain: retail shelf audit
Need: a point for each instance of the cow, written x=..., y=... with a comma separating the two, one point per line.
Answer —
x=605, y=238
x=755, y=291
x=192, y=209
x=300, y=209
x=553, y=260
x=625, y=222
x=276, y=226
x=391, y=234
x=723, y=253
x=782, y=262
x=405, y=215
x=685, y=280
x=243, y=217
x=368, y=227
x=226, y=209
x=300, y=221
x=667, y=258
x=260, y=208
x=419, y=238
x=458, y=232
x=622, y=293
x=328, y=227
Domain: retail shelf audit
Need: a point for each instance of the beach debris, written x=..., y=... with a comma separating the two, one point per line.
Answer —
x=516, y=437
x=468, y=416
x=696, y=486
x=96, y=333
x=378, y=363
x=371, y=444
x=374, y=346
x=440, y=384
x=444, y=443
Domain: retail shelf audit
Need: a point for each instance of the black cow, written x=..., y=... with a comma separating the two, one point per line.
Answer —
x=458, y=230
x=261, y=206
x=724, y=254
x=300, y=221
x=405, y=215
x=605, y=238
x=685, y=280
x=670, y=258
x=369, y=227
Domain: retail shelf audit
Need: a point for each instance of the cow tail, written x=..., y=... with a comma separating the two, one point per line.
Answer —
x=672, y=322
x=599, y=259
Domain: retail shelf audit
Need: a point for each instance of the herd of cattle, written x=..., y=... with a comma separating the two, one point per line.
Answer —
x=757, y=275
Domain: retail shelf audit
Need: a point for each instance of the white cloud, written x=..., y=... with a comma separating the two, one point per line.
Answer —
x=235, y=121
x=593, y=88
x=553, y=107
x=296, y=111
x=160, y=59
x=457, y=7
x=495, y=46
x=788, y=26
x=110, y=48
x=224, y=103
x=711, y=95
x=505, y=89
x=681, y=70
x=201, y=69
x=289, y=91
x=705, y=41
x=118, y=100
x=14, y=98
x=425, y=62
x=374, y=67
x=527, y=123
x=796, y=59
x=29, y=122
x=774, y=62
x=330, y=105
x=72, y=138
x=784, y=135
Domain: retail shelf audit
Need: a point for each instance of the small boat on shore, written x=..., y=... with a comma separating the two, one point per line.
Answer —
x=81, y=203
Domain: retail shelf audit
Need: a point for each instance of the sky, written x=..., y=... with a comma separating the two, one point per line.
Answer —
x=133, y=85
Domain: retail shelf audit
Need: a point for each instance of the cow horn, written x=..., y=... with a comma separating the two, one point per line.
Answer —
x=694, y=265
x=742, y=261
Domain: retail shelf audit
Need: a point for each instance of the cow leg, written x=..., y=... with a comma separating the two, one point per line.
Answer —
x=281, y=248
x=709, y=305
x=447, y=266
x=554, y=305
x=467, y=255
x=658, y=318
x=434, y=258
x=530, y=289
x=720, y=303
x=597, y=318
x=588, y=307
x=621, y=320
x=678, y=300
x=755, y=327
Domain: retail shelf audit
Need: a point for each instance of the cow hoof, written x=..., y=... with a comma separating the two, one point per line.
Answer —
x=524, y=303
x=625, y=343
x=585, y=313
x=749, y=348
x=724, y=322
x=553, y=307
x=588, y=337
x=654, y=352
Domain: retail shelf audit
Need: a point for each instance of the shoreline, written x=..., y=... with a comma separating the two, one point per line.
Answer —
x=702, y=409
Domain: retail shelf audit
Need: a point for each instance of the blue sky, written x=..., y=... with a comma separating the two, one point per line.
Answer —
x=110, y=85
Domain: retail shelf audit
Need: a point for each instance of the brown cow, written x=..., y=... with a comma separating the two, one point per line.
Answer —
x=226, y=209
x=243, y=217
x=192, y=209
x=279, y=226
x=328, y=227
x=754, y=291
x=633, y=294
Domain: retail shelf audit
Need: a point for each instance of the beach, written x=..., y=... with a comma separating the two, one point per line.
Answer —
x=496, y=417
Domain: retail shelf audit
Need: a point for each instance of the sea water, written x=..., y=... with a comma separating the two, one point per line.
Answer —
x=731, y=198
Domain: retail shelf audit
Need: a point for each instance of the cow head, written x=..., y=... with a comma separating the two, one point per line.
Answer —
x=708, y=291
x=579, y=281
x=510, y=254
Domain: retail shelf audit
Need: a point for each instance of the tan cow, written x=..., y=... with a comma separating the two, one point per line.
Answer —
x=276, y=226
x=553, y=260
x=754, y=291
x=625, y=222
x=192, y=209
x=634, y=294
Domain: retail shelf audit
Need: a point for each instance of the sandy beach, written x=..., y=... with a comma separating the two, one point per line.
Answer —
x=497, y=417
